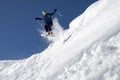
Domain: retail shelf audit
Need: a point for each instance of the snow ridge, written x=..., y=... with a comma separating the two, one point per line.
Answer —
x=100, y=62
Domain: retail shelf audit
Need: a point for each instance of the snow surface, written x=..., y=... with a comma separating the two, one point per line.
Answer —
x=88, y=50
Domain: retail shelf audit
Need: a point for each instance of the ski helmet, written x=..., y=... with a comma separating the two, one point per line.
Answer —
x=44, y=13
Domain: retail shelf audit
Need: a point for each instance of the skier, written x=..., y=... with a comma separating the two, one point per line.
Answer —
x=47, y=18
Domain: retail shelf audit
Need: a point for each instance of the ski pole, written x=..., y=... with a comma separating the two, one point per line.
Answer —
x=40, y=24
x=59, y=14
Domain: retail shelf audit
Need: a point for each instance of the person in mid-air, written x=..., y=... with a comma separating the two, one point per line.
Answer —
x=47, y=18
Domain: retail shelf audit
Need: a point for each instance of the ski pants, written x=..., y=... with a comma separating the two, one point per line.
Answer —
x=48, y=27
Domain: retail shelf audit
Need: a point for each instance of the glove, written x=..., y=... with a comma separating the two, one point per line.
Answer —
x=55, y=10
x=36, y=18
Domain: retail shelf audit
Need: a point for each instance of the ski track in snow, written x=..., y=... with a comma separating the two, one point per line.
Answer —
x=88, y=50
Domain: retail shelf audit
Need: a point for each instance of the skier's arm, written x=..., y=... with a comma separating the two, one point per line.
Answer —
x=38, y=18
x=52, y=12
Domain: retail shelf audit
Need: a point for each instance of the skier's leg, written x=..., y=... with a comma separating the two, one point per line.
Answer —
x=46, y=27
x=50, y=29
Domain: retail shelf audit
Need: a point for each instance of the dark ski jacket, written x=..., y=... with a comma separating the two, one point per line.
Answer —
x=47, y=18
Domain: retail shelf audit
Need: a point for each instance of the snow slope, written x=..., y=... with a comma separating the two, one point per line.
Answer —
x=88, y=50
